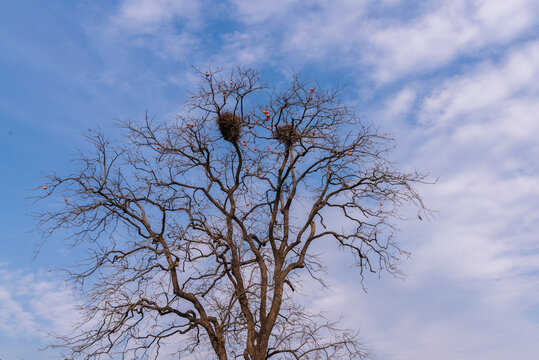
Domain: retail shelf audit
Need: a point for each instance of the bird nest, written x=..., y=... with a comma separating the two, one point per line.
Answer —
x=229, y=126
x=286, y=134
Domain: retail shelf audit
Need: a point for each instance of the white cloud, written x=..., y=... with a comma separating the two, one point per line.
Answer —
x=261, y=11
x=436, y=317
x=473, y=288
x=363, y=35
x=478, y=132
x=445, y=32
x=53, y=305
x=472, y=278
x=33, y=303
x=483, y=231
x=486, y=118
x=14, y=319
x=167, y=27
x=147, y=16
x=241, y=48
x=332, y=30
x=487, y=90
x=344, y=32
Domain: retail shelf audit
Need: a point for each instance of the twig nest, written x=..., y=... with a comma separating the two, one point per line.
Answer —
x=286, y=134
x=229, y=126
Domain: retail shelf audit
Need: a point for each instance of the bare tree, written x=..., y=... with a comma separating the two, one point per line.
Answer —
x=200, y=231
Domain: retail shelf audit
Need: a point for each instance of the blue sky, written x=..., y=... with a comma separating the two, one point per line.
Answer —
x=455, y=82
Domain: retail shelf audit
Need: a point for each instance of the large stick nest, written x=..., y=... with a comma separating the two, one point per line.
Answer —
x=229, y=126
x=286, y=134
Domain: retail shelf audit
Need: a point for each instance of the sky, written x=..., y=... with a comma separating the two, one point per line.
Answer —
x=456, y=83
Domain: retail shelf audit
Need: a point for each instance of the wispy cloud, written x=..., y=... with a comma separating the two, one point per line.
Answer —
x=472, y=288
x=485, y=94
x=263, y=12
x=167, y=27
x=467, y=113
x=445, y=31
x=392, y=46
x=365, y=35
x=33, y=303
x=147, y=17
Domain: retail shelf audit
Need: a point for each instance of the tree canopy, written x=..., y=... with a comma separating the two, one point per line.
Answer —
x=201, y=230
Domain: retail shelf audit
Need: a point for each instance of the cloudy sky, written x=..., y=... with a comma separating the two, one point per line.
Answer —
x=456, y=83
